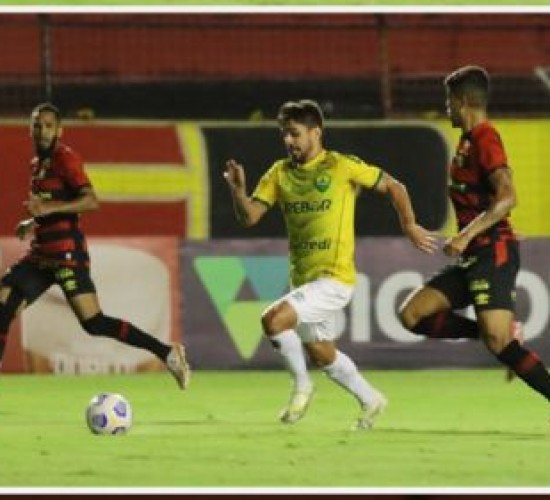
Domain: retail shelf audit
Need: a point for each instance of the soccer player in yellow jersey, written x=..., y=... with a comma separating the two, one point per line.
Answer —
x=316, y=191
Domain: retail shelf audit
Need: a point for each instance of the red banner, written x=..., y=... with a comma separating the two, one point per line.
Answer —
x=150, y=178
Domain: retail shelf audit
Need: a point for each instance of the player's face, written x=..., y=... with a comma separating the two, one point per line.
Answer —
x=455, y=106
x=45, y=130
x=301, y=142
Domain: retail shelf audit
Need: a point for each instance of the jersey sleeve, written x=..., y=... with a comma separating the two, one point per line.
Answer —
x=490, y=151
x=73, y=171
x=266, y=189
x=362, y=173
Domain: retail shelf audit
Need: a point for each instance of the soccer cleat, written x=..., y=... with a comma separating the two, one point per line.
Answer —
x=517, y=334
x=297, y=406
x=177, y=365
x=369, y=413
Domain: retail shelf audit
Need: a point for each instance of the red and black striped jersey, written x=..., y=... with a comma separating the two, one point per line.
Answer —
x=58, y=238
x=479, y=153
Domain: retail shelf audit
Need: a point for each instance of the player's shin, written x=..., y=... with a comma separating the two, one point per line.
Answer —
x=7, y=313
x=527, y=366
x=288, y=345
x=125, y=332
x=4, y=325
x=3, y=341
x=345, y=373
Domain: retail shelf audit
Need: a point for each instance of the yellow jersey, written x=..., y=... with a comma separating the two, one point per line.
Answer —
x=318, y=204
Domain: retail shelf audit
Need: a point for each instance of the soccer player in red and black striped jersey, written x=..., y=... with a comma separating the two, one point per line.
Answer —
x=60, y=192
x=483, y=194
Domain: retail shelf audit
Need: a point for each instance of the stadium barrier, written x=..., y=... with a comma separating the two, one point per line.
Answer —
x=357, y=65
x=212, y=295
x=228, y=283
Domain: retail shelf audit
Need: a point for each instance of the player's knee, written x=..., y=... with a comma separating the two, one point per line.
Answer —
x=408, y=316
x=269, y=322
x=100, y=325
x=495, y=342
x=322, y=354
x=319, y=362
x=277, y=318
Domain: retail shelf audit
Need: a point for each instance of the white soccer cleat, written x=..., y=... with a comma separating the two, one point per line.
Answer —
x=177, y=365
x=517, y=334
x=369, y=413
x=297, y=406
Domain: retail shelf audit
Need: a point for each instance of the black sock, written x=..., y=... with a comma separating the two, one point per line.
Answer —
x=132, y=335
x=126, y=333
x=3, y=342
x=447, y=325
x=527, y=366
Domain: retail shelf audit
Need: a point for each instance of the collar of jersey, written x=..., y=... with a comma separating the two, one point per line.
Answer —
x=310, y=165
x=476, y=130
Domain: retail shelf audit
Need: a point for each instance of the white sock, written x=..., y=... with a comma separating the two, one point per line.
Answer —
x=345, y=373
x=288, y=344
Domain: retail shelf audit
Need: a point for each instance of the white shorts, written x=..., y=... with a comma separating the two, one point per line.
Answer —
x=317, y=304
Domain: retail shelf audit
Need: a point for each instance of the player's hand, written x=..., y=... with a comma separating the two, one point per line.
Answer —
x=234, y=175
x=454, y=246
x=24, y=228
x=421, y=238
x=36, y=206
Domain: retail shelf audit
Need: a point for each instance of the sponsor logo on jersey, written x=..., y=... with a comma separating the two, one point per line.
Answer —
x=312, y=245
x=304, y=207
x=482, y=299
x=479, y=285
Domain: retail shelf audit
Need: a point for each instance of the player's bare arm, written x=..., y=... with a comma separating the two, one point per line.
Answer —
x=504, y=201
x=420, y=237
x=86, y=202
x=247, y=210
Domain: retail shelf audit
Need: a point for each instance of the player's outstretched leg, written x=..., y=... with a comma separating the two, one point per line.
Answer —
x=127, y=333
x=345, y=373
x=527, y=366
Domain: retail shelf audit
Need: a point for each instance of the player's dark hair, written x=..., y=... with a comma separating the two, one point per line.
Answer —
x=48, y=107
x=472, y=82
x=305, y=111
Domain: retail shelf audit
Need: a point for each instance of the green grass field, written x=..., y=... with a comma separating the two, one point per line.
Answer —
x=465, y=429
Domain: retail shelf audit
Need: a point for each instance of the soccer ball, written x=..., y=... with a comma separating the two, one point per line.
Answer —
x=109, y=413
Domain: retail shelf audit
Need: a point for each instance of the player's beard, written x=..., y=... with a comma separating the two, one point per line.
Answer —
x=45, y=151
x=298, y=156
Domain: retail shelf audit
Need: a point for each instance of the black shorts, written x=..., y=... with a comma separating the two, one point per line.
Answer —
x=485, y=279
x=31, y=279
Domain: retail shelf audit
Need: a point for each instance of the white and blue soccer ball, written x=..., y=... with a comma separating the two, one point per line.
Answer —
x=109, y=413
